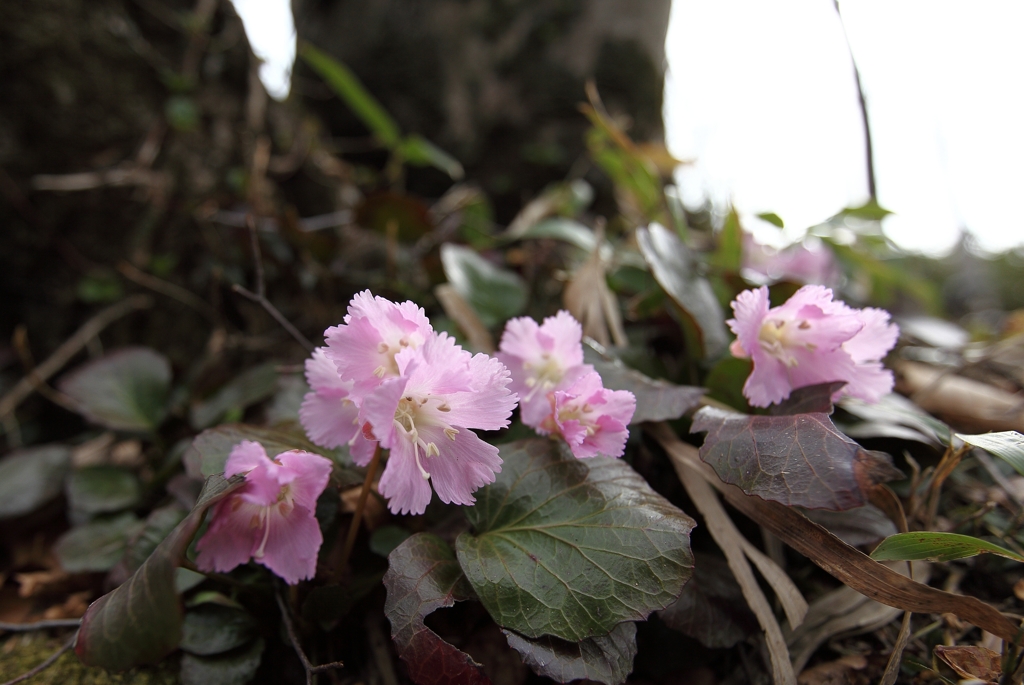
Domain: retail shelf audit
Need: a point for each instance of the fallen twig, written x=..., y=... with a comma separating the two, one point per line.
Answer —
x=63, y=354
x=40, y=625
x=311, y=670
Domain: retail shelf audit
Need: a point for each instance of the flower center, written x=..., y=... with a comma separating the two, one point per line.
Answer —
x=779, y=338
x=543, y=376
x=388, y=366
x=423, y=411
x=284, y=505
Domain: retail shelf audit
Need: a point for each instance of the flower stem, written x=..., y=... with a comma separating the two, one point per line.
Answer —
x=357, y=517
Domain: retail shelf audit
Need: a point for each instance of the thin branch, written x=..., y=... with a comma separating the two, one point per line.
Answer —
x=63, y=354
x=868, y=146
x=259, y=297
x=310, y=669
x=50, y=661
x=353, y=529
x=186, y=297
x=40, y=625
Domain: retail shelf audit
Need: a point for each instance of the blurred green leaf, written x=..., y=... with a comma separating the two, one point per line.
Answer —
x=97, y=545
x=386, y=538
x=418, y=151
x=182, y=113
x=232, y=668
x=211, y=629
x=99, y=287
x=931, y=546
x=125, y=390
x=1007, y=445
x=728, y=254
x=674, y=268
x=869, y=211
x=248, y=388
x=572, y=547
x=656, y=400
x=346, y=85
x=772, y=218
x=102, y=489
x=158, y=525
x=726, y=379
x=495, y=293
x=30, y=478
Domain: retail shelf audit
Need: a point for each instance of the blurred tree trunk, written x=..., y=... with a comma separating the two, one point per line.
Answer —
x=496, y=83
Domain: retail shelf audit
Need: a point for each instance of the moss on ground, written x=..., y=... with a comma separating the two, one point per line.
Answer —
x=22, y=652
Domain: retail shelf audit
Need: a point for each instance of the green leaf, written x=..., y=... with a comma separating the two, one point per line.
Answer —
x=158, y=525
x=936, y=547
x=233, y=668
x=566, y=230
x=346, y=85
x=728, y=255
x=213, y=629
x=96, y=546
x=711, y=609
x=140, y=621
x=656, y=400
x=726, y=379
x=606, y=659
x=495, y=293
x=1007, y=445
x=674, y=268
x=386, y=538
x=124, y=390
x=251, y=386
x=209, y=450
x=896, y=410
x=772, y=218
x=572, y=547
x=102, y=489
x=424, y=576
x=869, y=211
x=418, y=151
x=31, y=478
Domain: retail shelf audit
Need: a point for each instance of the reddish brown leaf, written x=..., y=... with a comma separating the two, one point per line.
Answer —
x=972, y=662
x=423, y=576
x=796, y=459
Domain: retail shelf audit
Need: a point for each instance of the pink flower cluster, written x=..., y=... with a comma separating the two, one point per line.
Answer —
x=808, y=340
x=558, y=393
x=270, y=519
x=387, y=379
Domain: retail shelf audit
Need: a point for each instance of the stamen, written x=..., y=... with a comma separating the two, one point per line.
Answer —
x=432, y=450
x=451, y=433
x=444, y=407
x=379, y=372
x=265, y=515
x=423, y=471
x=804, y=325
x=531, y=381
x=382, y=348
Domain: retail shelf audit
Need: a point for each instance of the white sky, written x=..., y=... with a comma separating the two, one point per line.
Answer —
x=761, y=95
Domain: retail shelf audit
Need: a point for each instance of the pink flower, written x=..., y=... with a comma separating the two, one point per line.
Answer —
x=542, y=359
x=375, y=330
x=423, y=415
x=270, y=519
x=592, y=419
x=328, y=414
x=804, y=263
x=808, y=340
